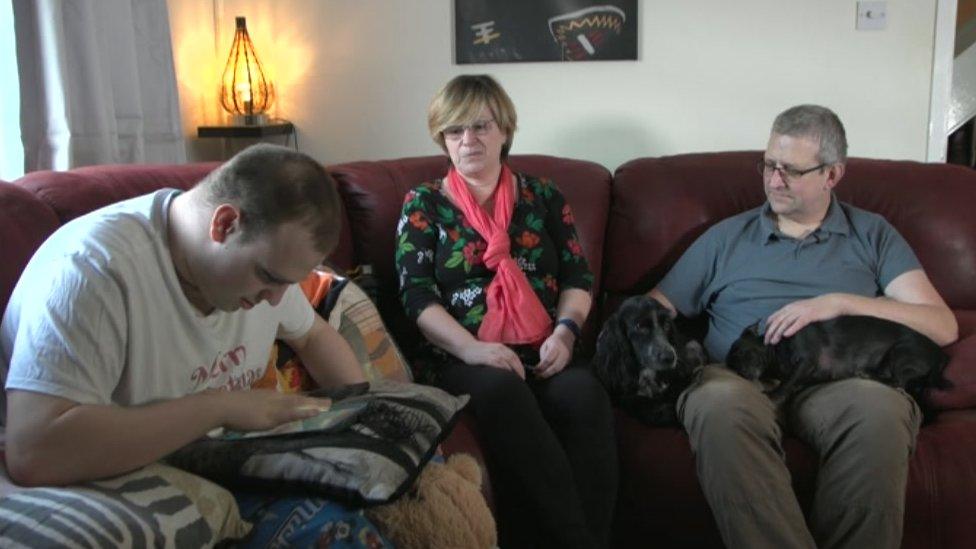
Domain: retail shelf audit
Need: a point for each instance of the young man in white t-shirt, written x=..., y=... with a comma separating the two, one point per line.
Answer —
x=132, y=327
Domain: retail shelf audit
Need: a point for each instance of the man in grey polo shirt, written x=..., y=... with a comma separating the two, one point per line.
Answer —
x=802, y=257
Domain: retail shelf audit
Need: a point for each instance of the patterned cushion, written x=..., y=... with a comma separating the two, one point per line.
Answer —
x=372, y=459
x=299, y=521
x=349, y=310
x=156, y=506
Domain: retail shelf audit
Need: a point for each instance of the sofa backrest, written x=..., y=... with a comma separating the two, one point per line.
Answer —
x=661, y=205
x=76, y=192
x=373, y=194
x=633, y=226
x=81, y=190
x=25, y=222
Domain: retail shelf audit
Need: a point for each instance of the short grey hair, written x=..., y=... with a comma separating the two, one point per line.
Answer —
x=816, y=123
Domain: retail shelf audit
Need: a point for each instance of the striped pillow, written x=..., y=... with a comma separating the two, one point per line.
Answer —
x=156, y=506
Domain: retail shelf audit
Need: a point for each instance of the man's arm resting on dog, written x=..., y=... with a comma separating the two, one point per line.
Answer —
x=909, y=299
x=55, y=441
x=327, y=356
x=663, y=300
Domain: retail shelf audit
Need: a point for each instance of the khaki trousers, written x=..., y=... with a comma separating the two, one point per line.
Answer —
x=863, y=431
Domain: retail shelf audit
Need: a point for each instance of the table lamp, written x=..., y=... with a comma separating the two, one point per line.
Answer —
x=245, y=91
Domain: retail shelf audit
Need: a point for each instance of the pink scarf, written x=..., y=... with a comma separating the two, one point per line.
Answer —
x=515, y=315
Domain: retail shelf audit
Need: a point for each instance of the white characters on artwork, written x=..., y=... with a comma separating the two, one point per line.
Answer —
x=484, y=33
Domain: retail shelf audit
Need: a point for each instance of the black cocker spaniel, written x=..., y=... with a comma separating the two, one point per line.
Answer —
x=840, y=348
x=644, y=361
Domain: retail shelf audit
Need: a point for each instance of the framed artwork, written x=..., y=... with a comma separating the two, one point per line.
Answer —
x=509, y=31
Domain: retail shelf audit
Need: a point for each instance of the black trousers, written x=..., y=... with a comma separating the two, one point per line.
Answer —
x=550, y=450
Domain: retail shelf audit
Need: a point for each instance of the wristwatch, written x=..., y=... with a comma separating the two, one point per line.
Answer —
x=571, y=324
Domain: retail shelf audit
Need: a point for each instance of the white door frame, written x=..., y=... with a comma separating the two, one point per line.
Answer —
x=942, y=60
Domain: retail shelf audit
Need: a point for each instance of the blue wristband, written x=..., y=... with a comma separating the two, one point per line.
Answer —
x=571, y=324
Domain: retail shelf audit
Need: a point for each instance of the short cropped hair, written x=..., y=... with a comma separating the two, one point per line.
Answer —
x=272, y=185
x=816, y=123
x=461, y=100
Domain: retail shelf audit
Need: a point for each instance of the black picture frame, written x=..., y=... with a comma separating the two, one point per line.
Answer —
x=512, y=31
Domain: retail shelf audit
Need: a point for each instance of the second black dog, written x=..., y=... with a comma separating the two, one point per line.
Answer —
x=839, y=348
x=643, y=360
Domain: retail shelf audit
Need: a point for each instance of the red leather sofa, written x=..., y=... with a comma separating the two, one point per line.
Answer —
x=634, y=224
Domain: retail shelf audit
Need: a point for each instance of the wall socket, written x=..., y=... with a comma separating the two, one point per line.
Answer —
x=872, y=15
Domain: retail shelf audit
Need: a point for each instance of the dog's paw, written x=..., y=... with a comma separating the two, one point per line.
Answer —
x=694, y=355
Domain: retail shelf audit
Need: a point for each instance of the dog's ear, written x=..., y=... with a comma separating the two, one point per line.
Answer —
x=613, y=359
x=752, y=329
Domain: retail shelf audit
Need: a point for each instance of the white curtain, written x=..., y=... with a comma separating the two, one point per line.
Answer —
x=97, y=83
x=11, y=149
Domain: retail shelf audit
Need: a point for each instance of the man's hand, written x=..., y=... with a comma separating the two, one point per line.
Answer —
x=793, y=317
x=496, y=355
x=262, y=409
x=555, y=353
x=54, y=441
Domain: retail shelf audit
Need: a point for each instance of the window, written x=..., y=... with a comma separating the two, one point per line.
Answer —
x=11, y=146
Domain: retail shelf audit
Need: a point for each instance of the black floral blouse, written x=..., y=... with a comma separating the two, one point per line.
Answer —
x=439, y=254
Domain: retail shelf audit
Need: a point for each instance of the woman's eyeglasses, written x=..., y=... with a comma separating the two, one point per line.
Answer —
x=478, y=127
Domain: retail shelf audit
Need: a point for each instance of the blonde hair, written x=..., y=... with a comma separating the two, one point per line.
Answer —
x=461, y=100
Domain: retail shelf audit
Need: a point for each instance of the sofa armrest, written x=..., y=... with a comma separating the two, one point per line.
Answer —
x=961, y=370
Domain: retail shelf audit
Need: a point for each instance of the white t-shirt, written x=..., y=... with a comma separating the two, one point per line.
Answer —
x=99, y=317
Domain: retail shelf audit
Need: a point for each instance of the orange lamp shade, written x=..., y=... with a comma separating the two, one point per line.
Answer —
x=244, y=88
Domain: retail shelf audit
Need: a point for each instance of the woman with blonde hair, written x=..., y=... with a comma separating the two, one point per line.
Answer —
x=492, y=271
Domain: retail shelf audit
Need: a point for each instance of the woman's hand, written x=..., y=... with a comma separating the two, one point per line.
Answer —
x=555, y=353
x=496, y=355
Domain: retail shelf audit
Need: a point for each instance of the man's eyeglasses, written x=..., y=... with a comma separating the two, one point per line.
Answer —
x=788, y=173
x=478, y=127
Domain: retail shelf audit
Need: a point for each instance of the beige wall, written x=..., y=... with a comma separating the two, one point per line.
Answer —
x=356, y=75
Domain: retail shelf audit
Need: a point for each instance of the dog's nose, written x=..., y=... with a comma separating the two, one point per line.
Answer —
x=664, y=356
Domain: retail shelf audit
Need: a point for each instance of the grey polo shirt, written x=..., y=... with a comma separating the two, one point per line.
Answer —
x=743, y=268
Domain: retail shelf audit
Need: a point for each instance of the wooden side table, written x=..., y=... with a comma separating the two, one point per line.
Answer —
x=249, y=132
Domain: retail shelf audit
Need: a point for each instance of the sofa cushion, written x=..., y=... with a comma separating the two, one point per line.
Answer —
x=961, y=370
x=373, y=195
x=941, y=477
x=659, y=497
x=25, y=222
x=347, y=308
